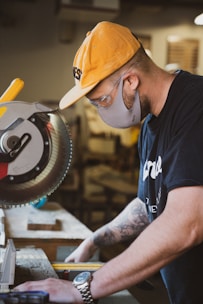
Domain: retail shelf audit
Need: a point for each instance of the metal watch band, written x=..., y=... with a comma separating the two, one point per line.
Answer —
x=86, y=294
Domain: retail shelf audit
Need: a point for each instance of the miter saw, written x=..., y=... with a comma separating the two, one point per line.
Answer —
x=35, y=149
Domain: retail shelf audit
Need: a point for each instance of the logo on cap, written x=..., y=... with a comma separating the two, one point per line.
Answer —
x=77, y=73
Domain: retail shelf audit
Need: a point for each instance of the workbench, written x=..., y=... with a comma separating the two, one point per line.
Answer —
x=32, y=264
x=68, y=230
x=36, y=249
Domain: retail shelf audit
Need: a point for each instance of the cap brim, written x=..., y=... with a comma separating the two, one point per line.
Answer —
x=74, y=95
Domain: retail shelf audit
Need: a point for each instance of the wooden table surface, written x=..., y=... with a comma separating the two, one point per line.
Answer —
x=32, y=264
x=71, y=231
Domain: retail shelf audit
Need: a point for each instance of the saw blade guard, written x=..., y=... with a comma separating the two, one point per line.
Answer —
x=35, y=152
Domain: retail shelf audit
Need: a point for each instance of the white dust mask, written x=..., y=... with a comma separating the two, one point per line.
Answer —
x=117, y=115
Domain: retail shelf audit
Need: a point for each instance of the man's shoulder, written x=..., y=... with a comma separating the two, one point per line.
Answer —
x=187, y=77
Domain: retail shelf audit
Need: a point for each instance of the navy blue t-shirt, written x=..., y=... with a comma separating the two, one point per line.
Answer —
x=171, y=156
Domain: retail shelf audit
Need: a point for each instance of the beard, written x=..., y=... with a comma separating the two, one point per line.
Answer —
x=145, y=106
x=144, y=103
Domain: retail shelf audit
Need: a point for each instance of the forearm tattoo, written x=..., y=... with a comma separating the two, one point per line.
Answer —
x=126, y=226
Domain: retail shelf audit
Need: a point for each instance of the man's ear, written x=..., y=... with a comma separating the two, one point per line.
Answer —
x=131, y=81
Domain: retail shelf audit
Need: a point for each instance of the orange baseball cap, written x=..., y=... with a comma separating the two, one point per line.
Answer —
x=104, y=50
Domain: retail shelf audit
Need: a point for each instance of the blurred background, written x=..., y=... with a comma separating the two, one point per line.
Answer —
x=38, y=38
x=38, y=41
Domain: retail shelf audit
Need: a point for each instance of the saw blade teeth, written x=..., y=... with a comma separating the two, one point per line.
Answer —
x=50, y=178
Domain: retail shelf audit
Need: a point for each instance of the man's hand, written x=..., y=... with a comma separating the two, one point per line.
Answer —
x=83, y=253
x=59, y=290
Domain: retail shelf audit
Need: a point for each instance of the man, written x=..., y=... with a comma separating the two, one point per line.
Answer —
x=113, y=71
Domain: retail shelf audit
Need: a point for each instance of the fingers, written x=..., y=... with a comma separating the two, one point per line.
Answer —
x=68, y=260
x=42, y=285
x=71, y=257
x=57, y=289
x=83, y=252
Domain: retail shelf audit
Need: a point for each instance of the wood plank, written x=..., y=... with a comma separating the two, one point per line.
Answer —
x=32, y=264
x=72, y=231
x=42, y=221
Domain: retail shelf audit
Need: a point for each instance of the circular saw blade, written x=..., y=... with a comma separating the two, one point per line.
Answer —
x=54, y=159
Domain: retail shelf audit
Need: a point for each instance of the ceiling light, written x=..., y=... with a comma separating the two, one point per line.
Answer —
x=199, y=19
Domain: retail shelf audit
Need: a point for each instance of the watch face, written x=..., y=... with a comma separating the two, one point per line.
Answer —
x=82, y=277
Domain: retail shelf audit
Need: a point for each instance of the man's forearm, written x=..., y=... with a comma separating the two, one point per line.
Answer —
x=173, y=233
x=144, y=257
x=126, y=226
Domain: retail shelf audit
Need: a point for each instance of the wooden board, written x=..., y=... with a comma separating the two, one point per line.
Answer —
x=32, y=264
x=42, y=221
x=72, y=231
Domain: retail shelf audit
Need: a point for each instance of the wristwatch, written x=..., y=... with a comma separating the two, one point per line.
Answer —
x=82, y=283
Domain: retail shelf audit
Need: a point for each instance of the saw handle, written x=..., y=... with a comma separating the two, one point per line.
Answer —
x=13, y=90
